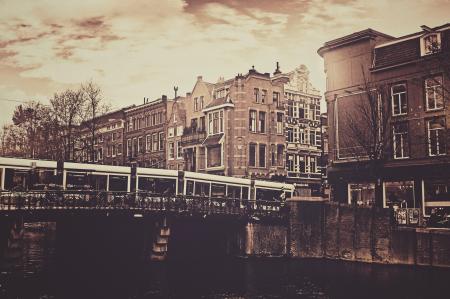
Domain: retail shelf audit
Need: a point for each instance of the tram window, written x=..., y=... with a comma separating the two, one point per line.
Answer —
x=244, y=192
x=97, y=182
x=44, y=178
x=157, y=185
x=16, y=179
x=234, y=192
x=1, y=173
x=118, y=183
x=267, y=194
x=201, y=189
x=76, y=181
x=217, y=190
x=189, y=187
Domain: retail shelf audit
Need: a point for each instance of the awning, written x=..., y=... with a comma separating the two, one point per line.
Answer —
x=213, y=140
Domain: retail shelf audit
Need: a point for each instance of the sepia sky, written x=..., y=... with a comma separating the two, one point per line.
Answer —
x=142, y=48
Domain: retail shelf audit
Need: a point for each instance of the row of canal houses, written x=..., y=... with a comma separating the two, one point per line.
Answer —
x=256, y=125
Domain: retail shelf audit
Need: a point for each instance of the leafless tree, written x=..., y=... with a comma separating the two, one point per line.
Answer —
x=68, y=113
x=94, y=106
x=367, y=135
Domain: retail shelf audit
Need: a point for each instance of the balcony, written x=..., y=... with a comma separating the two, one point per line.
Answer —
x=191, y=137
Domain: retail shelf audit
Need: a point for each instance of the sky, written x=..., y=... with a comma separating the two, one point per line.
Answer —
x=143, y=48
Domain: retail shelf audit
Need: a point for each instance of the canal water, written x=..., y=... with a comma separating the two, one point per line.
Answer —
x=33, y=269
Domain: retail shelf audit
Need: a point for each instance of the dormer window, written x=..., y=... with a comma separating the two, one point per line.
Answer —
x=430, y=44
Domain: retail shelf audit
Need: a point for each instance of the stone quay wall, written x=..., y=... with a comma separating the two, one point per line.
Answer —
x=322, y=229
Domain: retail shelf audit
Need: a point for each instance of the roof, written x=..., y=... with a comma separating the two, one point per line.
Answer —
x=351, y=38
x=216, y=102
x=212, y=140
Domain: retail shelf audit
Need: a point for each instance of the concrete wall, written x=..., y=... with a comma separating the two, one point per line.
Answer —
x=338, y=231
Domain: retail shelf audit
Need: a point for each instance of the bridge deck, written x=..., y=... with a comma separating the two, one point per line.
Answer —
x=137, y=202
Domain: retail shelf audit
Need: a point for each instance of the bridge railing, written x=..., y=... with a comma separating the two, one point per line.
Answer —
x=139, y=201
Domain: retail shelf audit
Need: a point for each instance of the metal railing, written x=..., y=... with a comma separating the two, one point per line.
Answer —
x=139, y=202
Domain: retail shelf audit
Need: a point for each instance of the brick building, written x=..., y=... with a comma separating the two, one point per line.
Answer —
x=410, y=76
x=235, y=126
x=145, y=130
x=303, y=133
x=108, y=139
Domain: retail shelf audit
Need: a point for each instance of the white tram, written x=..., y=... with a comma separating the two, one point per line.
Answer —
x=27, y=174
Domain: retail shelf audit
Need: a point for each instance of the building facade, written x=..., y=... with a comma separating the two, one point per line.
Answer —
x=145, y=134
x=409, y=79
x=107, y=136
x=303, y=133
x=176, y=124
x=235, y=126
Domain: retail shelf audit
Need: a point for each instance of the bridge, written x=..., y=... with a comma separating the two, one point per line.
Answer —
x=199, y=222
x=139, y=204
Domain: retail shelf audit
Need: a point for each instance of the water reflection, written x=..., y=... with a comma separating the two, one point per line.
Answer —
x=38, y=272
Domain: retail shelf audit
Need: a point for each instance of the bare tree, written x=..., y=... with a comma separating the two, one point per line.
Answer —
x=368, y=136
x=68, y=113
x=93, y=108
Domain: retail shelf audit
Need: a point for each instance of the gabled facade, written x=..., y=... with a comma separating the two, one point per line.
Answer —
x=176, y=124
x=232, y=126
x=413, y=72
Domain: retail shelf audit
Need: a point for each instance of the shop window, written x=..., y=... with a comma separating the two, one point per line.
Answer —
x=399, y=193
x=362, y=194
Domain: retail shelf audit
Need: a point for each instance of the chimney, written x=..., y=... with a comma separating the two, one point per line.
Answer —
x=199, y=78
x=175, y=88
x=164, y=97
x=277, y=70
x=144, y=100
x=188, y=94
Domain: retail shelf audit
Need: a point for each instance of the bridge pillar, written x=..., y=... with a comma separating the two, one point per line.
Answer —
x=159, y=248
x=265, y=239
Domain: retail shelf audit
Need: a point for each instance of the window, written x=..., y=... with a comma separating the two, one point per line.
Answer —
x=179, y=130
x=430, y=44
x=312, y=137
x=262, y=155
x=119, y=149
x=214, y=155
x=276, y=99
x=280, y=150
x=171, y=150
x=263, y=96
x=141, y=148
x=113, y=150
x=262, y=122
x=195, y=104
x=135, y=148
x=252, y=121
x=129, y=148
x=273, y=155
x=434, y=93
x=201, y=103
x=290, y=162
x=399, y=193
x=436, y=136
x=290, y=135
x=398, y=96
x=202, y=126
x=148, y=140
x=100, y=153
x=252, y=155
x=155, y=141
x=256, y=94
x=215, y=122
x=171, y=132
x=312, y=164
x=362, y=194
x=279, y=123
x=290, y=109
x=179, y=150
x=435, y=190
x=400, y=142
x=161, y=141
